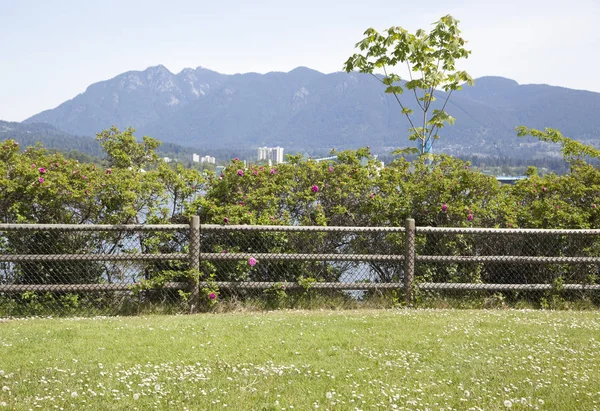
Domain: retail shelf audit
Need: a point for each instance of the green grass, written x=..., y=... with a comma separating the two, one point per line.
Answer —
x=340, y=360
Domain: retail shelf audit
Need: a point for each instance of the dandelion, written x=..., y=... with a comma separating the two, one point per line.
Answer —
x=444, y=207
x=42, y=170
x=41, y=180
x=252, y=261
x=136, y=396
x=315, y=189
x=508, y=403
x=328, y=395
x=74, y=394
x=212, y=296
x=240, y=172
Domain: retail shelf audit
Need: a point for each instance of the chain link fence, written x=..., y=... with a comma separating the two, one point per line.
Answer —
x=176, y=268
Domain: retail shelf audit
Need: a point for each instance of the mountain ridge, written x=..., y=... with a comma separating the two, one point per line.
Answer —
x=306, y=109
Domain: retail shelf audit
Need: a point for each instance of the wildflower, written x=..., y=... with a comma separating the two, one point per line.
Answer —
x=42, y=170
x=444, y=207
x=33, y=166
x=236, y=159
x=315, y=189
x=225, y=220
x=470, y=217
x=74, y=394
x=109, y=171
x=329, y=395
x=41, y=180
x=273, y=171
x=594, y=205
x=5, y=388
x=240, y=172
x=252, y=261
x=212, y=296
x=255, y=172
x=136, y=396
x=331, y=169
x=508, y=403
x=543, y=188
x=224, y=252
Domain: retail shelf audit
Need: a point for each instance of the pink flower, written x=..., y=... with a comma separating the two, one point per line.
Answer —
x=41, y=180
x=252, y=261
x=225, y=220
x=240, y=172
x=109, y=171
x=594, y=205
x=212, y=296
x=315, y=189
x=42, y=170
x=273, y=171
x=444, y=207
x=371, y=195
x=33, y=166
x=236, y=159
x=255, y=173
x=543, y=188
x=84, y=177
x=331, y=169
x=470, y=217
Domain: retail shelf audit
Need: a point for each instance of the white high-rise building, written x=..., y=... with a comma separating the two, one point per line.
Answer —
x=195, y=158
x=208, y=159
x=272, y=154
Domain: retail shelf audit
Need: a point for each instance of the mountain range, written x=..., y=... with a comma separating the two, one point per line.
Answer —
x=305, y=109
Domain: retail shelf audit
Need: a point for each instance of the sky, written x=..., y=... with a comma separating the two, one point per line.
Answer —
x=52, y=50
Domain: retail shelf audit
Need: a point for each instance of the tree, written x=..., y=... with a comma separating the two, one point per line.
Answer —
x=432, y=55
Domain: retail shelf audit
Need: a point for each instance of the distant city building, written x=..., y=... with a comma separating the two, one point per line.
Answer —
x=208, y=159
x=167, y=159
x=195, y=158
x=271, y=154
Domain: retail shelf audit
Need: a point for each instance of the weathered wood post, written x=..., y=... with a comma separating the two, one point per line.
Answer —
x=409, y=260
x=194, y=261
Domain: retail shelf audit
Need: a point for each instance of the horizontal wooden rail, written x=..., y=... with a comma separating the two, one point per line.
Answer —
x=19, y=258
x=505, y=259
x=503, y=287
x=263, y=285
x=300, y=257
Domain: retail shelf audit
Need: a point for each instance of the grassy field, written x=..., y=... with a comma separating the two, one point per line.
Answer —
x=338, y=360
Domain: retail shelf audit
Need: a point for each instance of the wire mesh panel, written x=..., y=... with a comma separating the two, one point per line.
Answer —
x=85, y=270
x=497, y=267
x=301, y=266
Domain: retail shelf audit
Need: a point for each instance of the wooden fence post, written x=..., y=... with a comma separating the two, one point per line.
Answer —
x=409, y=260
x=194, y=260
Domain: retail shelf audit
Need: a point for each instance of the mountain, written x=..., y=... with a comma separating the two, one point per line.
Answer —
x=28, y=134
x=305, y=109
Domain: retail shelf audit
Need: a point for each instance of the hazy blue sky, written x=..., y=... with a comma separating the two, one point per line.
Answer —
x=51, y=50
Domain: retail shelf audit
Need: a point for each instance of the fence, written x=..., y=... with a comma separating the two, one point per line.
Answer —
x=124, y=269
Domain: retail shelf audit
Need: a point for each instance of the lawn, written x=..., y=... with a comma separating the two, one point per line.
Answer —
x=339, y=360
